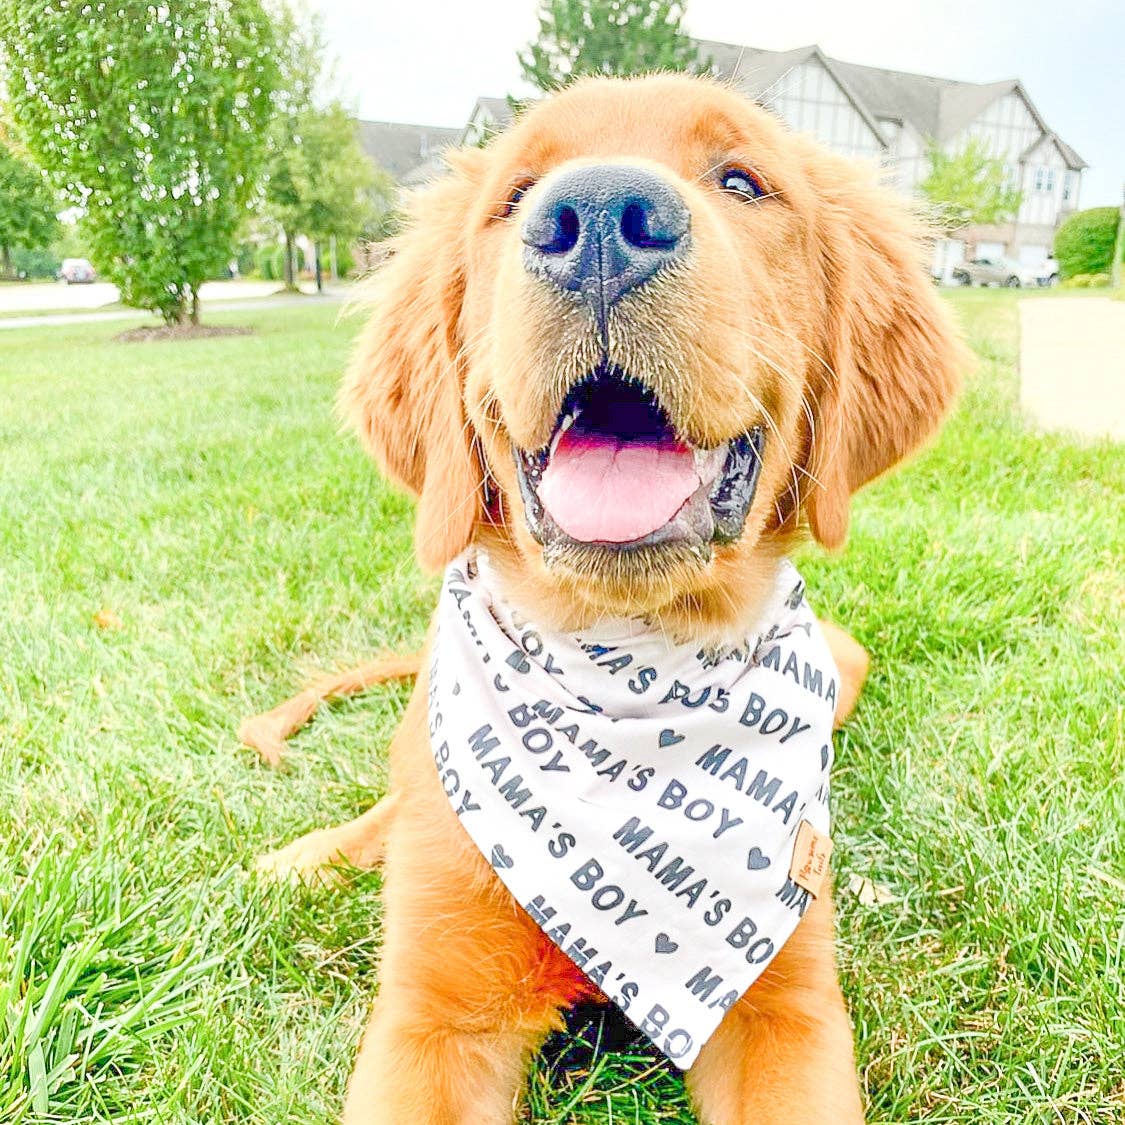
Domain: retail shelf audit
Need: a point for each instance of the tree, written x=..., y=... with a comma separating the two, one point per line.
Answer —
x=27, y=207
x=967, y=188
x=621, y=37
x=152, y=118
x=383, y=218
x=300, y=56
x=335, y=179
x=320, y=181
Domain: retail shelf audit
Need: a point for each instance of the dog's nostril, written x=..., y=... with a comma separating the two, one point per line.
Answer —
x=636, y=231
x=566, y=231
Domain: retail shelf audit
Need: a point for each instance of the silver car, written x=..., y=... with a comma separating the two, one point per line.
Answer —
x=992, y=271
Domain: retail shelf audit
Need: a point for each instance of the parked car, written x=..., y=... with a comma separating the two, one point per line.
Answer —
x=76, y=271
x=1047, y=273
x=995, y=271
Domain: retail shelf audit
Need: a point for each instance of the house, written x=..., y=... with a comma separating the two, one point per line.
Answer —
x=406, y=152
x=489, y=117
x=892, y=117
x=887, y=116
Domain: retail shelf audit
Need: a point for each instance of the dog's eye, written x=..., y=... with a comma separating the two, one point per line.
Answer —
x=514, y=196
x=738, y=181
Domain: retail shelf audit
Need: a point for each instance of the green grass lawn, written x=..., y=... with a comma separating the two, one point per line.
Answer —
x=200, y=493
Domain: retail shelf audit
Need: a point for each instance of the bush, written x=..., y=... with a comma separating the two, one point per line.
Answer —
x=345, y=260
x=43, y=262
x=1084, y=243
x=271, y=262
x=1086, y=281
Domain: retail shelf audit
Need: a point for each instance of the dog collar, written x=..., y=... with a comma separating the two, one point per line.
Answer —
x=661, y=812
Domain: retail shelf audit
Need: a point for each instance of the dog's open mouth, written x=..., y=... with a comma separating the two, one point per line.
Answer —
x=616, y=474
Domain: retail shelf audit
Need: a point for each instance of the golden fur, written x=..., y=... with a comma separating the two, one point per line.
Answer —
x=806, y=311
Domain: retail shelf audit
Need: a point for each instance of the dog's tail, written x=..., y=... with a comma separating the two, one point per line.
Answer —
x=267, y=732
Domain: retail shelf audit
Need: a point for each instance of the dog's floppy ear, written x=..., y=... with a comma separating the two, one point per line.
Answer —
x=404, y=388
x=891, y=345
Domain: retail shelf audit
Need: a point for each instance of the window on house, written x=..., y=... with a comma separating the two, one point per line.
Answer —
x=1045, y=180
x=1069, y=180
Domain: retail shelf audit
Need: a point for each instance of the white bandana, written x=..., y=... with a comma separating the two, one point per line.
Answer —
x=645, y=802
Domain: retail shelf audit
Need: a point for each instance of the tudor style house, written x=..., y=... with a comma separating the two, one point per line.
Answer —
x=887, y=116
x=892, y=117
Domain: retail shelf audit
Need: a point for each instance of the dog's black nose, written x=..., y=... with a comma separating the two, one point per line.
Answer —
x=602, y=231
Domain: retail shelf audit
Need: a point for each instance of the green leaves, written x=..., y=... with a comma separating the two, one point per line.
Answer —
x=580, y=37
x=152, y=118
x=1085, y=242
x=27, y=206
x=319, y=181
x=968, y=187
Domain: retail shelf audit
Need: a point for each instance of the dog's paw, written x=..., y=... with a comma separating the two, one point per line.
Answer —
x=306, y=861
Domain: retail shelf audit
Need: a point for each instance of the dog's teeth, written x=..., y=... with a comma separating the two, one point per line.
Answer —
x=709, y=462
x=564, y=425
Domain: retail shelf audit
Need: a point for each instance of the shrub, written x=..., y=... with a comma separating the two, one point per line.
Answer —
x=1086, y=281
x=1084, y=243
x=345, y=259
x=43, y=262
x=271, y=261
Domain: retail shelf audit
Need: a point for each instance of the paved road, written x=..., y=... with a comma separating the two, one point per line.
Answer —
x=218, y=301
x=1072, y=364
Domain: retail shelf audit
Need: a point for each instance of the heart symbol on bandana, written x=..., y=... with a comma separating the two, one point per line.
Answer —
x=664, y=944
x=500, y=858
x=518, y=661
x=669, y=737
x=756, y=861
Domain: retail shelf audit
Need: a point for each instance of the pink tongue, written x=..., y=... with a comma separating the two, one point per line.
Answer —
x=602, y=490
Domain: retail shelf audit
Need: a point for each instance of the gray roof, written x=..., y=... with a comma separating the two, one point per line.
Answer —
x=498, y=114
x=936, y=107
x=398, y=148
x=498, y=109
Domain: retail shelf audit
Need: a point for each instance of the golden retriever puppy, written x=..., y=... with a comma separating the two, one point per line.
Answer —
x=623, y=356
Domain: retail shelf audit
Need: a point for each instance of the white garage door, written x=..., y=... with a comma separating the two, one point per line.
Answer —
x=1033, y=255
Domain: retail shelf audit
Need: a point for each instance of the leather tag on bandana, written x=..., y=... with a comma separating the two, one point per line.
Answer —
x=810, y=858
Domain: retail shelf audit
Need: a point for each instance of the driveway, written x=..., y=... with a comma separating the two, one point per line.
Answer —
x=1072, y=364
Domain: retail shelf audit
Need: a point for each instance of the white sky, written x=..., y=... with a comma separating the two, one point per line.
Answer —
x=428, y=60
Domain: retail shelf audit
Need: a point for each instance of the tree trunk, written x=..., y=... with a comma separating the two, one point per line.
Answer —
x=195, y=306
x=316, y=266
x=290, y=281
x=5, y=260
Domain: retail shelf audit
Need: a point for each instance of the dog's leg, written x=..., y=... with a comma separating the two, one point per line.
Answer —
x=852, y=660
x=458, y=1017
x=359, y=843
x=469, y=987
x=783, y=1054
x=411, y=1069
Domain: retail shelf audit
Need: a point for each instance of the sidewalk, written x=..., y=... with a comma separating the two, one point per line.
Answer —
x=335, y=294
x=1072, y=364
